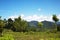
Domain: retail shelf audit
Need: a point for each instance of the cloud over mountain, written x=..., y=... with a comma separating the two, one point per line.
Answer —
x=34, y=17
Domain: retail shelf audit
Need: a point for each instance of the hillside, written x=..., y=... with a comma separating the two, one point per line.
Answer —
x=47, y=25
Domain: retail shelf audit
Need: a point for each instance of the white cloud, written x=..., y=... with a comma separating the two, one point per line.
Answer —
x=22, y=15
x=34, y=17
x=16, y=16
x=12, y=17
x=58, y=17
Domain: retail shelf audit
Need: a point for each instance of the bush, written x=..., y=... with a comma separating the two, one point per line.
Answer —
x=7, y=37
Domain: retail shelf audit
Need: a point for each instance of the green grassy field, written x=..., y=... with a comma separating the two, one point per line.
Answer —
x=30, y=36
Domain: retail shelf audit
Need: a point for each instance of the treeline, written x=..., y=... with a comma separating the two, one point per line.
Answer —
x=16, y=25
x=20, y=25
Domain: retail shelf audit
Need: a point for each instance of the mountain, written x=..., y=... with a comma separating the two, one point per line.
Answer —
x=33, y=23
x=47, y=25
x=58, y=23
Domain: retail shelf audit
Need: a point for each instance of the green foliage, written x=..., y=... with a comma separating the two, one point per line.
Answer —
x=2, y=24
x=35, y=36
x=7, y=37
x=40, y=24
x=32, y=28
x=55, y=18
x=19, y=24
x=25, y=32
x=9, y=24
x=58, y=28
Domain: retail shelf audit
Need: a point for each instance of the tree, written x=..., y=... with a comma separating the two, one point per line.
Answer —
x=2, y=24
x=58, y=27
x=9, y=24
x=19, y=24
x=5, y=21
x=55, y=19
x=40, y=25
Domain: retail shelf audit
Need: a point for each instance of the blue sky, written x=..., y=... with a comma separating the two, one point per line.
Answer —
x=29, y=7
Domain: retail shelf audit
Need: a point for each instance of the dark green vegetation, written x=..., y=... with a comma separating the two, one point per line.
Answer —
x=19, y=29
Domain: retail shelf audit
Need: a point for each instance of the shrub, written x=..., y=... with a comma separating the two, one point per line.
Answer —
x=7, y=37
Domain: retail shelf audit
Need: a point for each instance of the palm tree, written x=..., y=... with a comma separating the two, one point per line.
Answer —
x=55, y=19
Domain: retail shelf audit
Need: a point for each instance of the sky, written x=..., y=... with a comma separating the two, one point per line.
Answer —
x=38, y=10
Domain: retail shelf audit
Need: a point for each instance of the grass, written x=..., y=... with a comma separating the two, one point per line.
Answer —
x=32, y=36
x=7, y=37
